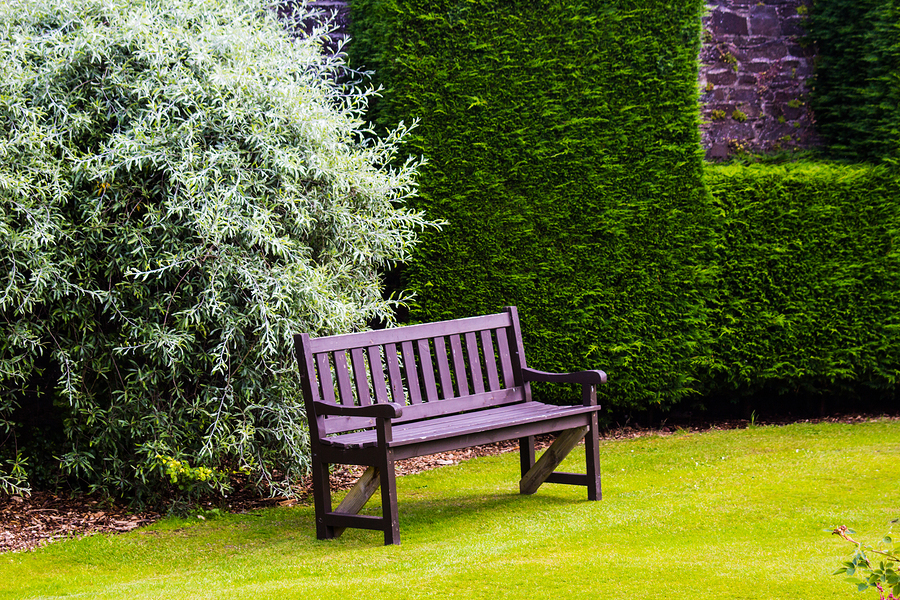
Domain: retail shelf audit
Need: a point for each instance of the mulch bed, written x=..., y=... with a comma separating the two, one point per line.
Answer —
x=44, y=517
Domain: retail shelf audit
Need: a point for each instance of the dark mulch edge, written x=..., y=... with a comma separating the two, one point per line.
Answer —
x=44, y=517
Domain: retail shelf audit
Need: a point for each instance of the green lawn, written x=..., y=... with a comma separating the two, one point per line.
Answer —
x=722, y=514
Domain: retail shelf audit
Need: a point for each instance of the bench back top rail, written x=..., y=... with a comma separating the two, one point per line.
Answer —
x=462, y=364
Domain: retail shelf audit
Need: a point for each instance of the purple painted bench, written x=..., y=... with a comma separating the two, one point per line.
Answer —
x=379, y=396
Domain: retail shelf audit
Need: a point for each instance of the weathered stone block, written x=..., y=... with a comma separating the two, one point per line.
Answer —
x=745, y=95
x=767, y=26
x=771, y=50
x=763, y=11
x=758, y=66
x=722, y=77
x=724, y=22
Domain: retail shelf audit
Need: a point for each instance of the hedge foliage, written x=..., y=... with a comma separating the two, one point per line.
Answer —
x=807, y=298
x=182, y=187
x=856, y=95
x=563, y=150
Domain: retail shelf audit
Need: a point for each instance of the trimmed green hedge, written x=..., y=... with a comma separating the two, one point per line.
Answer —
x=563, y=149
x=808, y=299
x=857, y=87
x=563, y=152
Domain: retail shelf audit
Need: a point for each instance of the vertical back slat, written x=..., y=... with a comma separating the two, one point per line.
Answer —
x=358, y=358
x=427, y=370
x=376, y=370
x=342, y=372
x=394, y=376
x=324, y=369
x=412, y=374
x=474, y=362
x=443, y=366
x=490, y=360
x=505, y=360
x=459, y=365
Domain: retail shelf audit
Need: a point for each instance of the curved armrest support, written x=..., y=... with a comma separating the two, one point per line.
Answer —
x=388, y=410
x=582, y=377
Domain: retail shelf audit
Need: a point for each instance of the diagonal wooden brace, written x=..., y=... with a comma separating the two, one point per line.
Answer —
x=364, y=488
x=550, y=459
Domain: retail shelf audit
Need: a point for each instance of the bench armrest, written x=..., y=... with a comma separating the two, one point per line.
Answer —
x=582, y=377
x=388, y=410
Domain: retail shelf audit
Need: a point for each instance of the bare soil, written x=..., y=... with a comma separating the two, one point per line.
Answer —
x=30, y=522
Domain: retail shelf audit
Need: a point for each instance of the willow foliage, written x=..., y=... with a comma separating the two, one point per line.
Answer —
x=182, y=187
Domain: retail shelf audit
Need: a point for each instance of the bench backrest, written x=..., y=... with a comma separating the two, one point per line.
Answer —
x=430, y=369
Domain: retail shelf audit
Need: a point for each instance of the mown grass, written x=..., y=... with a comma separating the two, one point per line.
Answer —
x=721, y=514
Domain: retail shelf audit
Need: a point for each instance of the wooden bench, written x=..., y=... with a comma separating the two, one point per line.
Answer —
x=379, y=396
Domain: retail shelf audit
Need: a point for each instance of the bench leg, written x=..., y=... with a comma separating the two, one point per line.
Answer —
x=592, y=458
x=526, y=454
x=321, y=498
x=364, y=488
x=551, y=458
x=389, y=510
x=379, y=475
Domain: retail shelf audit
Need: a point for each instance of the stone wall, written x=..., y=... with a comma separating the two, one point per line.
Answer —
x=754, y=77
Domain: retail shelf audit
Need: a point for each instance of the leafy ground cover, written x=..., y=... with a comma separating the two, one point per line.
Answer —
x=719, y=514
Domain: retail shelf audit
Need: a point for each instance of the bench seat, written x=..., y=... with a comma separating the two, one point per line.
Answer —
x=465, y=425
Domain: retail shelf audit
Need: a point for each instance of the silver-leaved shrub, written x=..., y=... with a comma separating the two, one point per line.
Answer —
x=182, y=187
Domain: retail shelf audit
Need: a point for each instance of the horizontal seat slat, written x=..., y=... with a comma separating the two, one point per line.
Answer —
x=487, y=419
x=464, y=424
x=456, y=425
